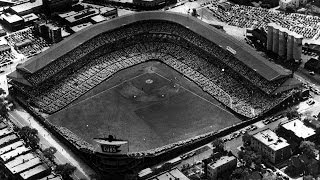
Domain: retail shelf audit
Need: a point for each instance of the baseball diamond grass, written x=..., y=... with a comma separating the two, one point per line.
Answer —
x=150, y=105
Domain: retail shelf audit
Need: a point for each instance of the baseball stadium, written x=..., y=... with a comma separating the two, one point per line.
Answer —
x=161, y=82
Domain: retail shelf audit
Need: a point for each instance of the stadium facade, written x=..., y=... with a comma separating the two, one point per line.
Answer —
x=49, y=82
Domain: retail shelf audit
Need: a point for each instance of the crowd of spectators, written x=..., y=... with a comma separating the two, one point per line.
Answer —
x=214, y=69
x=26, y=43
x=256, y=17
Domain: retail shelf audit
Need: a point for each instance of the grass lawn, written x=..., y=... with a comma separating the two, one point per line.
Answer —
x=146, y=108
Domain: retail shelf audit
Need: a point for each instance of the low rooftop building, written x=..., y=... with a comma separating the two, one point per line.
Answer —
x=297, y=131
x=272, y=146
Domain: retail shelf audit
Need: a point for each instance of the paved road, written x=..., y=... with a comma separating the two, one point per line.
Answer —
x=63, y=155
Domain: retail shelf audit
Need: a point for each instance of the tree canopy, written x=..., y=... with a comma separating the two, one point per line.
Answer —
x=49, y=152
x=65, y=170
x=308, y=148
x=30, y=136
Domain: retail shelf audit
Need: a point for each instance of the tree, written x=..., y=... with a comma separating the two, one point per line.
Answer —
x=49, y=152
x=30, y=136
x=65, y=170
x=237, y=173
x=246, y=139
x=293, y=114
x=308, y=148
x=218, y=144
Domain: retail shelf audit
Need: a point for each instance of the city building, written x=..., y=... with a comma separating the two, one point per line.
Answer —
x=80, y=26
x=109, y=12
x=269, y=144
x=12, y=21
x=4, y=84
x=170, y=175
x=29, y=19
x=284, y=43
x=291, y=3
x=54, y=35
x=53, y=6
x=81, y=17
x=221, y=165
x=27, y=8
x=296, y=131
x=97, y=19
x=17, y=160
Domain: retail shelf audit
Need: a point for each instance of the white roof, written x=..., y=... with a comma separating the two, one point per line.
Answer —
x=26, y=165
x=8, y=138
x=223, y=160
x=14, y=153
x=11, y=147
x=11, y=18
x=5, y=132
x=20, y=159
x=271, y=139
x=33, y=171
x=98, y=18
x=30, y=17
x=299, y=129
x=26, y=6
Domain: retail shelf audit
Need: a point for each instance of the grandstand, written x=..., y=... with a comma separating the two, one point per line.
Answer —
x=59, y=81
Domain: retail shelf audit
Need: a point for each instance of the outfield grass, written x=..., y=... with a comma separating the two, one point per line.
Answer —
x=149, y=110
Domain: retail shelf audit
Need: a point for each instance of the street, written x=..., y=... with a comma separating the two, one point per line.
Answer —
x=63, y=154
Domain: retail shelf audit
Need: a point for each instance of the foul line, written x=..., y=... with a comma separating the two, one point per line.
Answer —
x=106, y=89
x=196, y=95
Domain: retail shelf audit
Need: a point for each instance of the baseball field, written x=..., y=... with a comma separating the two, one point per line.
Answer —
x=150, y=105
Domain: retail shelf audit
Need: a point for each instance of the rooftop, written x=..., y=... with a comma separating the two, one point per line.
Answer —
x=98, y=18
x=31, y=172
x=64, y=15
x=106, y=9
x=81, y=15
x=8, y=138
x=11, y=147
x=52, y=177
x=81, y=26
x=299, y=129
x=26, y=6
x=6, y=131
x=14, y=153
x=26, y=165
x=20, y=159
x=271, y=139
x=223, y=160
x=11, y=18
x=3, y=125
x=30, y=17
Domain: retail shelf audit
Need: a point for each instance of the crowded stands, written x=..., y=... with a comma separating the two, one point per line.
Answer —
x=214, y=69
x=255, y=17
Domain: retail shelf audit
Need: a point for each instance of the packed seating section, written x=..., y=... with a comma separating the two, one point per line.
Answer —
x=214, y=69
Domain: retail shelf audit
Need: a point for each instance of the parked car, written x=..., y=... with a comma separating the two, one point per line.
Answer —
x=310, y=102
x=266, y=121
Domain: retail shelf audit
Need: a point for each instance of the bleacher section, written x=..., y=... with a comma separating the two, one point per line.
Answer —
x=57, y=83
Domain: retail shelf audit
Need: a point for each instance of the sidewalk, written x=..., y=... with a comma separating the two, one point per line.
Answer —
x=63, y=155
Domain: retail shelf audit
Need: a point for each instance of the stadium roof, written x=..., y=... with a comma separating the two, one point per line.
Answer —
x=242, y=51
